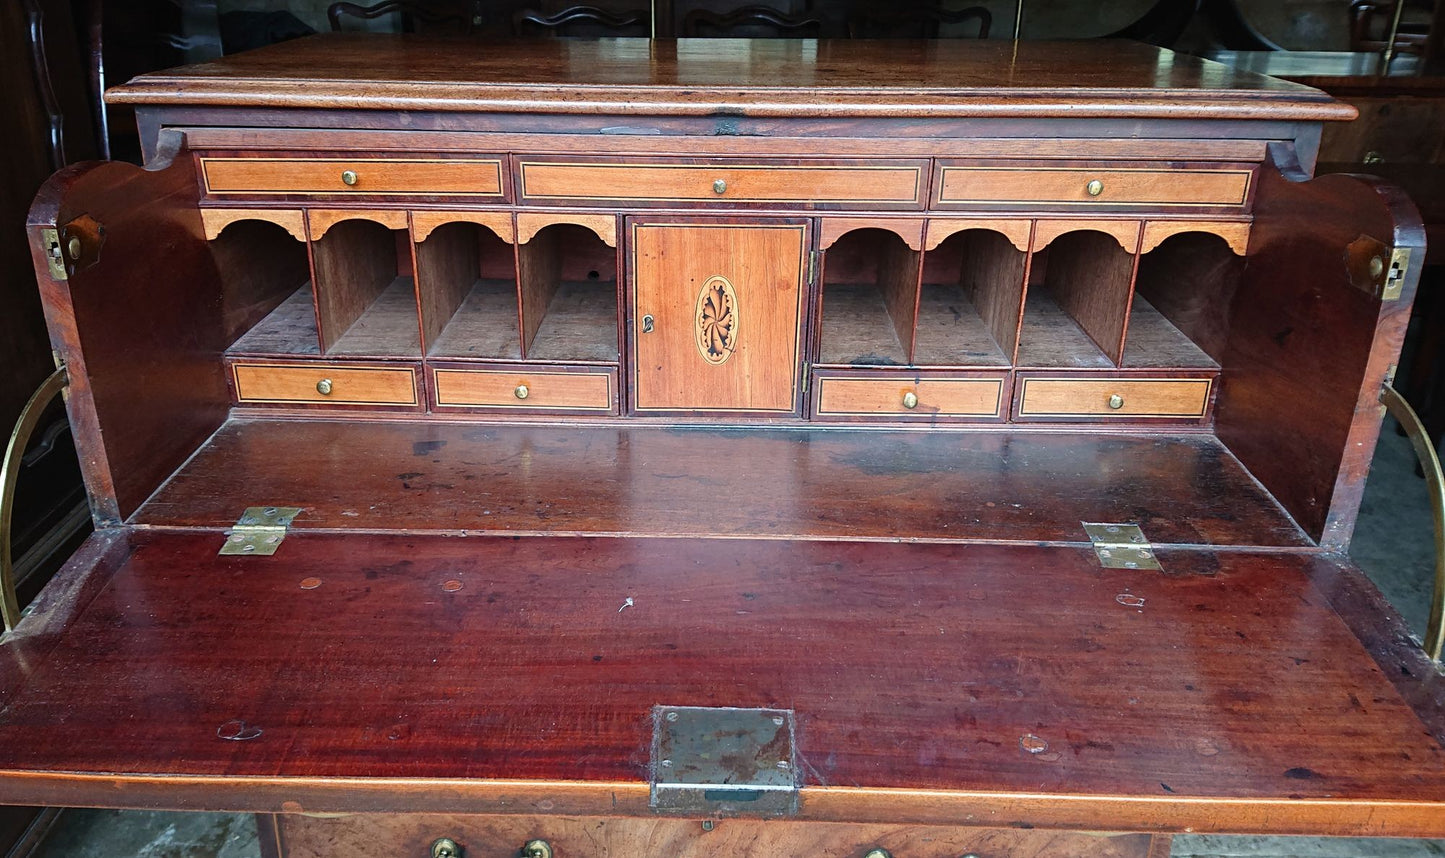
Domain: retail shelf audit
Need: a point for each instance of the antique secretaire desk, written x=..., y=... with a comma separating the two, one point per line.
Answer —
x=720, y=448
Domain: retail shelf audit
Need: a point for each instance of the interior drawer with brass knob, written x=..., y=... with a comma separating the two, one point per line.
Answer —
x=479, y=177
x=479, y=836
x=325, y=383
x=875, y=184
x=972, y=184
x=974, y=396
x=541, y=389
x=1044, y=396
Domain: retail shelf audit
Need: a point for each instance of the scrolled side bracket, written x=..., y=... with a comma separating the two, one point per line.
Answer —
x=9, y=476
x=1434, y=641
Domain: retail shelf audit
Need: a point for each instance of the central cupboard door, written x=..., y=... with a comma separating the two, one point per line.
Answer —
x=717, y=315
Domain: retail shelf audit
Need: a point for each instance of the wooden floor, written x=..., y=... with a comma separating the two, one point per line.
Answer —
x=771, y=483
x=975, y=684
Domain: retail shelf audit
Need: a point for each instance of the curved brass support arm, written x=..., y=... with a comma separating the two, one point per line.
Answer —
x=9, y=475
x=1430, y=463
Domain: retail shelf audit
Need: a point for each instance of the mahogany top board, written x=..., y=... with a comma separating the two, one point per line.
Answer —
x=765, y=77
x=973, y=684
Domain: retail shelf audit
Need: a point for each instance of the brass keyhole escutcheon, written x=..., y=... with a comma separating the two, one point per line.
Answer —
x=537, y=849
x=910, y=400
x=647, y=324
x=1116, y=401
x=1094, y=188
x=719, y=187
x=522, y=392
x=323, y=387
x=348, y=177
x=445, y=847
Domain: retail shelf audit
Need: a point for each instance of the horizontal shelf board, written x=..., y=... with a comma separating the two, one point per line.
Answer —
x=388, y=327
x=484, y=326
x=909, y=667
x=784, y=483
x=289, y=330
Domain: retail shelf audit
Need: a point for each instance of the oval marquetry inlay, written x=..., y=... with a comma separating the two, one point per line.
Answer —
x=717, y=320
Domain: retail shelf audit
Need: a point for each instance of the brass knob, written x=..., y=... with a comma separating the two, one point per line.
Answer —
x=910, y=400
x=1094, y=188
x=73, y=247
x=1377, y=266
x=719, y=187
x=537, y=849
x=323, y=387
x=445, y=847
x=522, y=391
x=348, y=177
x=878, y=853
x=1373, y=157
x=1116, y=401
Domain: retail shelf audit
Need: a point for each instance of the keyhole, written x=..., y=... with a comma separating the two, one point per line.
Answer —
x=647, y=324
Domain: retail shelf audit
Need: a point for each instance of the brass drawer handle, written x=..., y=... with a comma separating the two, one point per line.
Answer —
x=445, y=847
x=910, y=400
x=348, y=177
x=719, y=187
x=1116, y=401
x=522, y=392
x=537, y=849
x=1095, y=187
x=323, y=387
x=878, y=853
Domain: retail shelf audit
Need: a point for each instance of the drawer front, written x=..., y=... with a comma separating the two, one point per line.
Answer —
x=524, y=389
x=388, y=836
x=481, y=177
x=1084, y=186
x=1114, y=398
x=324, y=384
x=890, y=185
x=909, y=397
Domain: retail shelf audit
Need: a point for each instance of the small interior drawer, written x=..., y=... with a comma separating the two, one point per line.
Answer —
x=909, y=396
x=881, y=184
x=477, y=177
x=966, y=184
x=1113, y=398
x=512, y=389
x=323, y=383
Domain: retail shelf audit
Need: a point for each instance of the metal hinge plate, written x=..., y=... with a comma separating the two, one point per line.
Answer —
x=1395, y=276
x=721, y=760
x=1121, y=546
x=259, y=530
x=50, y=236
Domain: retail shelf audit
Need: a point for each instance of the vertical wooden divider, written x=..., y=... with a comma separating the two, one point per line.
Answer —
x=447, y=264
x=993, y=277
x=350, y=268
x=539, y=273
x=900, y=271
x=1091, y=276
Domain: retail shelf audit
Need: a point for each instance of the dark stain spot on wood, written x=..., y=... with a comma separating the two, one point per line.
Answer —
x=1167, y=787
x=1280, y=337
x=596, y=658
x=426, y=448
x=1301, y=773
x=409, y=475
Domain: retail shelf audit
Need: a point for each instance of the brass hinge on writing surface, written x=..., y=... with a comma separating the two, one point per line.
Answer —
x=1395, y=276
x=259, y=530
x=707, y=761
x=1121, y=546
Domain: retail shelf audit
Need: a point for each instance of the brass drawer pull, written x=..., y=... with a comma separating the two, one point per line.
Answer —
x=323, y=387
x=1095, y=187
x=522, y=392
x=445, y=847
x=348, y=177
x=1116, y=401
x=910, y=400
x=878, y=853
x=719, y=187
x=537, y=849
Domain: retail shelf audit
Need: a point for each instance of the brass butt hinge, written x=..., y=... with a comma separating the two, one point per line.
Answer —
x=259, y=530
x=53, y=252
x=1395, y=276
x=1121, y=546
x=813, y=266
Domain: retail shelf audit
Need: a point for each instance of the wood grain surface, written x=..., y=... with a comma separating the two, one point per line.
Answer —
x=1048, y=184
x=878, y=183
x=781, y=483
x=388, y=836
x=547, y=390
x=424, y=177
x=951, y=77
x=1139, y=397
x=428, y=673
x=216, y=220
x=348, y=385
x=973, y=397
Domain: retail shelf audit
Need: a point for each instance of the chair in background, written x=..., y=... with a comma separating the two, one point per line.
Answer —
x=448, y=17
x=751, y=22
x=581, y=22
x=918, y=22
